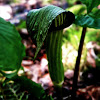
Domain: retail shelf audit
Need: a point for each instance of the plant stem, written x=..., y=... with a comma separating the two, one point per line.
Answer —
x=54, y=56
x=59, y=92
x=76, y=71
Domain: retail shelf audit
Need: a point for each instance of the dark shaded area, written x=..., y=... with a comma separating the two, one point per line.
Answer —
x=69, y=19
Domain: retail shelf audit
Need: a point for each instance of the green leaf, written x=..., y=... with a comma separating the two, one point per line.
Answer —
x=12, y=50
x=33, y=88
x=87, y=21
x=90, y=4
x=40, y=21
x=95, y=13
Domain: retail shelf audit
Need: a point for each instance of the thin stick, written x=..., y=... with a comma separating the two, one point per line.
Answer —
x=76, y=71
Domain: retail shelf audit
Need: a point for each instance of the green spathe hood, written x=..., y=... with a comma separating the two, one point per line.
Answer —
x=41, y=21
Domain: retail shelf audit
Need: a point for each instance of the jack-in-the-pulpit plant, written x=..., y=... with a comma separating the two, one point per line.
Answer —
x=47, y=24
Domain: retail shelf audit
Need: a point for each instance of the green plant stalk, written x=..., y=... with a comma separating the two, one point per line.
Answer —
x=59, y=92
x=54, y=56
x=76, y=71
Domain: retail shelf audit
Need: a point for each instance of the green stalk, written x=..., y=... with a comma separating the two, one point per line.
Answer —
x=76, y=71
x=54, y=56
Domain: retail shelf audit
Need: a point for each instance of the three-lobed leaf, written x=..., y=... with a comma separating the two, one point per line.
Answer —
x=12, y=50
x=90, y=4
x=92, y=19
